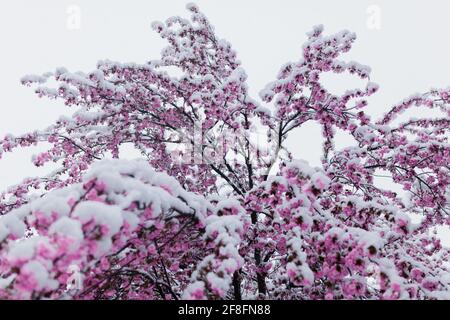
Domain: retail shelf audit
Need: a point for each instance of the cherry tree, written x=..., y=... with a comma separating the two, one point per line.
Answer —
x=211, y=213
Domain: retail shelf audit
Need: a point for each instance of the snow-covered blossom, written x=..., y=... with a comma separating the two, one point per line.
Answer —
x=246, y=222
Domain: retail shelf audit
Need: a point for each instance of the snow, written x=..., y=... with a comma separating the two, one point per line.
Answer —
x=131, y=219
x=101, y=213
x=11, y=224
x=307, y=274
x=4, y=232
x=192, y=7
x=262, y=110
x=33, y=79
x=68, y=227
x=225, y=226
x=38, y=271
x=102, y=246
x=125, y=182
x=76, y=78
x=317, y=29
x=85, y=115
x=217, y=283
x=149, y=186
x=365, y=133
x=54, y=203
x=368, y=238
x=229, y=203
x=24, y=249
x=197, y=286
x=320, y=180
x=49, y=92
x=157, y=25
x=302, y=166
x=373, y=86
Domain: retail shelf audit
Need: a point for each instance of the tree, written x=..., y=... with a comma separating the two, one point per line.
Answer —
x=210, y=213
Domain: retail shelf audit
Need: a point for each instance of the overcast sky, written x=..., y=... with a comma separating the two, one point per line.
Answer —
x=404, y=41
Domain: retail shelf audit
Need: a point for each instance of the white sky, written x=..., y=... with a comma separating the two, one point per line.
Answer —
x=409, y=52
